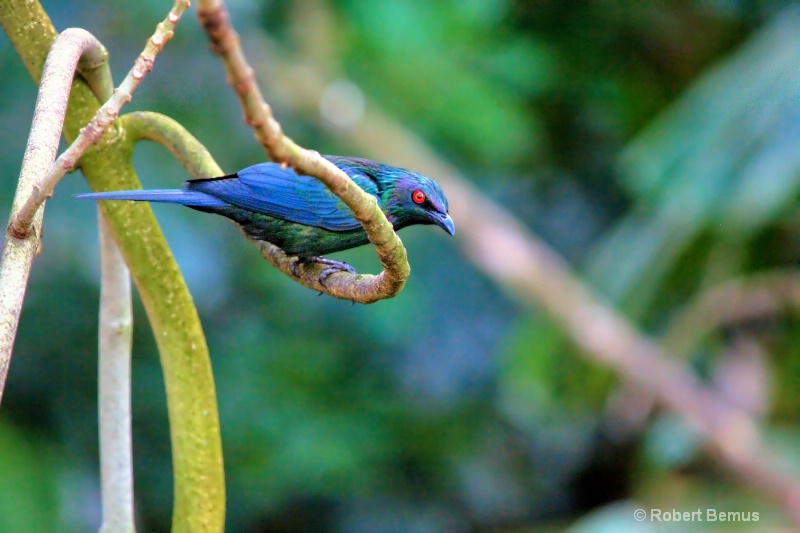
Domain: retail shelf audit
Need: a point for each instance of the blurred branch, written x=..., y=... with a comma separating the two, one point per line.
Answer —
x=741, y=375
x=733, y=301
x=224, y=40
x=530, y=271
x=199, y=503
x=114, y=385
x=48, y=119
x=736, y=300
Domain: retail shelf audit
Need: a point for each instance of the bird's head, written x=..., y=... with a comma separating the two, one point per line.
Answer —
x=415, y=199
x=407, y=198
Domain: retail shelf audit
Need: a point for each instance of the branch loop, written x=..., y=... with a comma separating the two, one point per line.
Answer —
x=359, y=288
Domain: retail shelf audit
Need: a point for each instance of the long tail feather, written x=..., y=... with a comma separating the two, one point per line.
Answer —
x=169, y=196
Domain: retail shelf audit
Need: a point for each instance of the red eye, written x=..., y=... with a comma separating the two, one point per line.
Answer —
x=418, y=197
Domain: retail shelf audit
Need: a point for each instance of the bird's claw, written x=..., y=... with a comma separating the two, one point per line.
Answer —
x=296, y=262
x=333, y=268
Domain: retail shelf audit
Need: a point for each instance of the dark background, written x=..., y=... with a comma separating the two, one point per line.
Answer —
x=655, y=145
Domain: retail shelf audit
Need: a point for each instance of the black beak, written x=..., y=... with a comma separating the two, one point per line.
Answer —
x=444, y=221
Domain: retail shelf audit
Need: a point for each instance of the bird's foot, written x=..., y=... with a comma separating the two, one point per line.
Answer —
x=333, y=268
x=295, y=263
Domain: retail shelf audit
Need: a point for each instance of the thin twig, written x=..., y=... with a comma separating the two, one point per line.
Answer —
x=530, y=271
x=48, y=119
x=114, y=390
x=258, y=114
x=104, y=117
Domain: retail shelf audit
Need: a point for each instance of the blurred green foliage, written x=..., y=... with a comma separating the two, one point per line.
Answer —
x=29, y=485
x=654, y=144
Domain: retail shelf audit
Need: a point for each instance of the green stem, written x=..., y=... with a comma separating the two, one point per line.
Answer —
x=151, y=126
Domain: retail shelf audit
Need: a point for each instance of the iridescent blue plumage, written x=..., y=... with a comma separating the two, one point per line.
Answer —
x=298, y=213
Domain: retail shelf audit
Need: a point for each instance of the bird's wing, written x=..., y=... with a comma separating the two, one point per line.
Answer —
x=281, y=193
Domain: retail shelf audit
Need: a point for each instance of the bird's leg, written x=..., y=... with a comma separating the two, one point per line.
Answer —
x=333, y=267
x=296, y=262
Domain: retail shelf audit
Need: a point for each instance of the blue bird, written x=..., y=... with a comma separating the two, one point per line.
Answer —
x=298, y=213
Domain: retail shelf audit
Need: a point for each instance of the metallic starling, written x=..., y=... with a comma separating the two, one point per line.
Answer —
x=298, y=213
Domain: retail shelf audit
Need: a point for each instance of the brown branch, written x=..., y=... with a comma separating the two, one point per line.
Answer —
x=104, y=117
x=360, y=288
x=48, y=119
x=224, y=41
x=531, y=272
